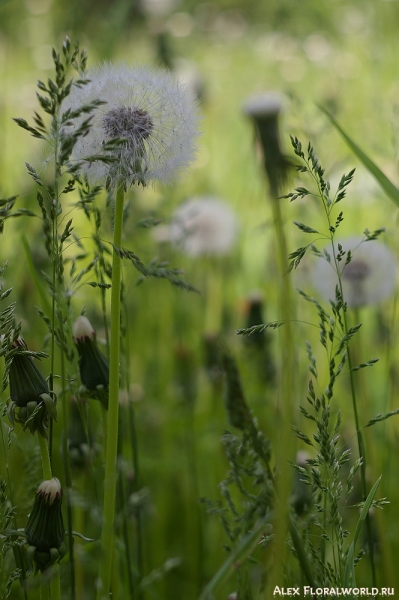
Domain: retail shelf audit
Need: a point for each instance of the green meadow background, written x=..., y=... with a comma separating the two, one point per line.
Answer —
x=340, y=54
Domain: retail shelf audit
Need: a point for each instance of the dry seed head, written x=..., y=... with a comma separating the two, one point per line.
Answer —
x=151, y=112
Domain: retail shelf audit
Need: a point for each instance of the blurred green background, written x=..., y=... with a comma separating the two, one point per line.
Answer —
x=338, y=53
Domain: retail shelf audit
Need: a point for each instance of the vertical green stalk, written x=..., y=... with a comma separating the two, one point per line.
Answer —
x=107, y=534
x=283, y=448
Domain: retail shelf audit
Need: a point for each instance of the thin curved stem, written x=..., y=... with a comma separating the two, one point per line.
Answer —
x=110, y=479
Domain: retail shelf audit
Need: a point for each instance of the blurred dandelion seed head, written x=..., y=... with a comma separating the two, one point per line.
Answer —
x=154, y=115
x=368, y=278
x=204, y=225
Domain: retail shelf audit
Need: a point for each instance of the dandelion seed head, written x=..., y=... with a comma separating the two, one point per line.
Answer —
x=204, y=225
x=356, y=271
x=368, y=278
x=154, y=114
x=134, y=124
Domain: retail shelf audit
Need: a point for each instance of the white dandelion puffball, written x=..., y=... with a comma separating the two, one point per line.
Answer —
x=204, y=225
x=369, y=277
x=151, y=109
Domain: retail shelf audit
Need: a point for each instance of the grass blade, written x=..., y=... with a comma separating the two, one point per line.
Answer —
x=241, y=551
x=349, y=576
x=386, y=184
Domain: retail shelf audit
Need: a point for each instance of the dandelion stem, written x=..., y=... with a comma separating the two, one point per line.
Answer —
x=47, y=474
x=110, y=478
x=55, y=585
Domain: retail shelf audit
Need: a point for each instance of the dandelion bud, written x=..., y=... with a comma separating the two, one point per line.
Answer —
x=30, y=401
x=236, y=406
x=45, y=528
x=94, y=367
x=79, y=439
x=255, y=317
x=259, y=341
x=265, y=109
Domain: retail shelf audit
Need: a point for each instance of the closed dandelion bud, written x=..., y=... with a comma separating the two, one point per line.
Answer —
x=94, y=367
x=45, y=528
x=265, y=109
x=79, y=440
x=236, y=406
x=260, y=341
x=30, y=401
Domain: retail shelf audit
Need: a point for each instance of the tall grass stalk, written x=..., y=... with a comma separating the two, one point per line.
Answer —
x=360, y=443
x=329, y=204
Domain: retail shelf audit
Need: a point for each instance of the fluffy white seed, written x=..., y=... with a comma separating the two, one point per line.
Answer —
x=151, y=110
x=204, y=225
